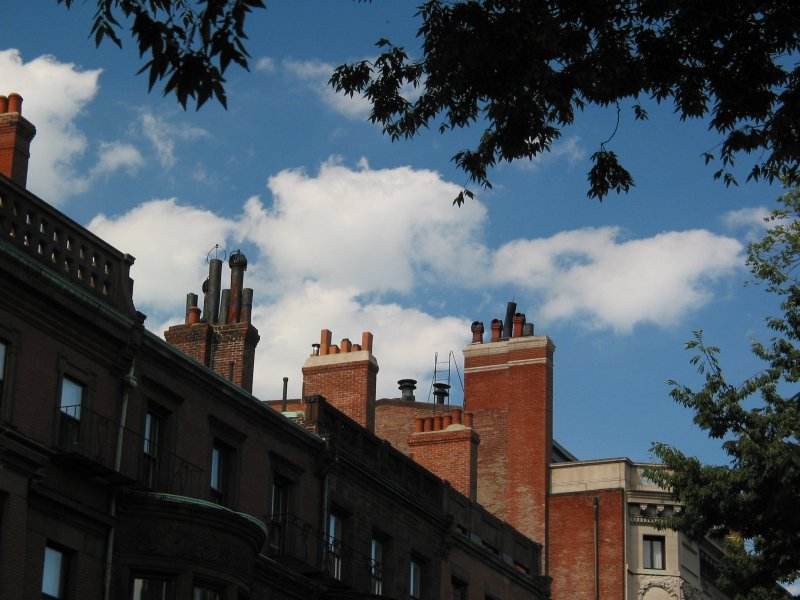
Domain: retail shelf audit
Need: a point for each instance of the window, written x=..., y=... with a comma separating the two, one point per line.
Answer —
x=152, y=443
x=220, y=467
x=71, y=398
x=653, y=546
x=376, y=567
x=335, y=546
x=54, y=574
x=151, y=588
x=460, y=589
x=414, y=579
x=279, y=513
x=205, y=593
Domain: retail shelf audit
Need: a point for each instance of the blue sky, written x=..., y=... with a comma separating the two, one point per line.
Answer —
x=349, y=231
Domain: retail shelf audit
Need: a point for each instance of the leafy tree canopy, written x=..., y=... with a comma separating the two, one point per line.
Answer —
x=188, y=43
x=755, y=498
x=519, y=70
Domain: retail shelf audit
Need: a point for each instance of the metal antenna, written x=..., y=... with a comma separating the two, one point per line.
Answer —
x=217, y=250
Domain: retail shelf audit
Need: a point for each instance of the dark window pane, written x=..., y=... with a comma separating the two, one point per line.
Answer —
x=150, y=589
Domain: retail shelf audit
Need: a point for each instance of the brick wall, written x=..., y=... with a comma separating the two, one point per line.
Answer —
x=508, y=385
x=346, y=377
x=394, y=420
x=447, y=449
x=571, y=548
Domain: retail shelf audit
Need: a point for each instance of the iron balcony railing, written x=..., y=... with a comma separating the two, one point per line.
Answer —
x=88, y=440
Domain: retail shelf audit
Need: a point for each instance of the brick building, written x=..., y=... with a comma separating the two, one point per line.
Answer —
x=134, y=468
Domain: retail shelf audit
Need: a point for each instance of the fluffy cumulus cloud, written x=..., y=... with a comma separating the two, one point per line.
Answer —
x=315, y=74
x=169, y=242
x=611, y=282
x=55, y=95
x=332, y=245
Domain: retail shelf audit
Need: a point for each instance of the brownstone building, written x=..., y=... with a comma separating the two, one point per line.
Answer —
x=134, y=468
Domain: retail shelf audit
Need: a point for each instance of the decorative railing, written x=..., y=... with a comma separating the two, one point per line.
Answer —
x=64, y=247
x=89, y=439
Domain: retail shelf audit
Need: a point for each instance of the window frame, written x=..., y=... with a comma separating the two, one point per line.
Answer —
x=74, y=382
x=11, y=339
x=334, y=544
x=377, y=553
x=279, y=510
x=415, y=573
x=649, y=542
x=168, y=580
x=63, y=571
x=153, y=432
x=218, y=472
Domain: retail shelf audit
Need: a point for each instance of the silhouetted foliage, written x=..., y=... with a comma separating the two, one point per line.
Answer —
x=753, y=501
x=519, y=69
x=190, y=43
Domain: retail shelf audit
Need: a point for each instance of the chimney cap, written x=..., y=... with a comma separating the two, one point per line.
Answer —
x=237, y=259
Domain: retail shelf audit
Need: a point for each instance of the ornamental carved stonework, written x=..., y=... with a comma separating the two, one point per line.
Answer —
x=675, y=587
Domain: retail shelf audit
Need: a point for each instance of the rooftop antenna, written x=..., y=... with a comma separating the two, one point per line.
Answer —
x=442, y=374
x=216, y=251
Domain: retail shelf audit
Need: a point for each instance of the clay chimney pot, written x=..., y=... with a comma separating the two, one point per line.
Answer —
x=15, y=103
x=3, y=104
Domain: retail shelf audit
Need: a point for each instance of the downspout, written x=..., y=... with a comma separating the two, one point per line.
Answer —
x=128, y=383
x=596, y=507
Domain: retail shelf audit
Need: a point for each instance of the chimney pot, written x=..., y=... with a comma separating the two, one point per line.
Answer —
x=224, y=303
x=356, y=347
x=333, y=349
x=519, y=321
x=419, y=424
x=314, y=349
x=440, y=392
x=447, y=420
x=477, y=332
x=15, y=103
x=193, y=315
x=469, y=419
x=346, y=345
x=213, y=291
x=427, y=424
x=497, y=328
x=407, y=387
x=366, y=341
x=238, y=265
x=325, y=341
x=247, y=305
x=511, y=308
x=3, y=104
x=437, y=422
x=457, y=416
x=527, y=329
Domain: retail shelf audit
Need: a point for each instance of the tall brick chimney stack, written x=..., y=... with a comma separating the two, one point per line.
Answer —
x=222, y=336
x=345, y=375
x=16, y=134
x=508, y=386
x=448, y=448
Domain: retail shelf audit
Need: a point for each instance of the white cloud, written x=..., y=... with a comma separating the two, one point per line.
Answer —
x=169, y=241
x=55, y=94
x=332, y=243
x=377, y=230
x=164, y=136
x=116, y=156
x=265, y=64
x=613, y=283
x=746, y=217
x=316, y=74
x=569, y=149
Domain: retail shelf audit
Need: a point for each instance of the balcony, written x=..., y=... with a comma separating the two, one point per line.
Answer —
x=87, y=441
x=65, y=248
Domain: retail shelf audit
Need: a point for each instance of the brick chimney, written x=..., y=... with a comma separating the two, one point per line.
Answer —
x=16, y=134
x=221, y=337
x=508, y=386
x=448, y=448
x=345, y=375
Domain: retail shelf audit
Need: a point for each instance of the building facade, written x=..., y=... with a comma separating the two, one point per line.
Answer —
x=134, y=468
